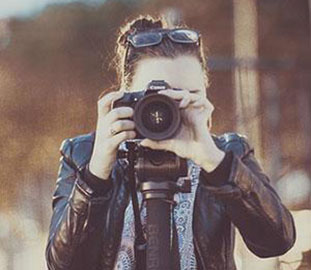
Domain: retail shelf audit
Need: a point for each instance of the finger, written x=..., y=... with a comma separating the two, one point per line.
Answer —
x=199, y=103
x=122, y=125
x=122, y=136
x=157, y=145
x=184, y=96
x=119, y=113
x=192, y=98
x=203, y=102
x=179, y=94
x=104, y=104
x=185, y=102
x=175, y=94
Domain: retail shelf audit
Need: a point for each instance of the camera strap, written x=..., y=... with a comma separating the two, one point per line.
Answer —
x=140, y=241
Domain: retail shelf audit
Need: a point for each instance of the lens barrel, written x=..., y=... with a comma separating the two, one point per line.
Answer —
x=157, y=117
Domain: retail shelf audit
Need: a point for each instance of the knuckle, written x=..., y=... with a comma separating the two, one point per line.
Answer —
x=111, y=115
x=195, y=96
x=119, y=125
x=116, y=113
x=211, y=106
x=114, y=126
x=100, y=103
x=107, y=98
x=111, y=95
x=124, y=125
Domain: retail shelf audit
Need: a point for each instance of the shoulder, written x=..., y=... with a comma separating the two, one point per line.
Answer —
x=78, y=150
x=233, y=141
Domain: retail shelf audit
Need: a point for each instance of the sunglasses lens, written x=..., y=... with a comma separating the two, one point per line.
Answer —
x=145, y=39
x=184, y=36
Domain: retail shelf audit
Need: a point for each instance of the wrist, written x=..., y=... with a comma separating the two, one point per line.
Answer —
x=221, y=174
x=209, y=159
x=98, y=185
x=99, y=169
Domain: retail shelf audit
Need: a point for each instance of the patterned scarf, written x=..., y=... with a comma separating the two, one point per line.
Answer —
x=182, y=214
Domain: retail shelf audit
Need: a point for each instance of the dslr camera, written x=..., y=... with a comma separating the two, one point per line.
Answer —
x=156, y=116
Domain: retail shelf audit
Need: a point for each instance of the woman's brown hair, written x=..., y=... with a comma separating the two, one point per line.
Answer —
x=127, y=56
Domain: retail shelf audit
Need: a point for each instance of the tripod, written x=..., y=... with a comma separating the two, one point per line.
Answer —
x=156, y=173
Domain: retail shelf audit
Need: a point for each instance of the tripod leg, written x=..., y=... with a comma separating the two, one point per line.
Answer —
x=158, y=242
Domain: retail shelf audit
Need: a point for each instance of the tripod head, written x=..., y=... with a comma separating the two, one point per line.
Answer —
x=162, y=167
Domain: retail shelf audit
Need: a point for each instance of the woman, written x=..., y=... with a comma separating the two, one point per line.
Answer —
x=92, y=225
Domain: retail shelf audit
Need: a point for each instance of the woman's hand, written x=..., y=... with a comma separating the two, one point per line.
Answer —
x=111, y=130
x=194, y=140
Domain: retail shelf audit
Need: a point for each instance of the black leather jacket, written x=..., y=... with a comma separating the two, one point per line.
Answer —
x=85, y=230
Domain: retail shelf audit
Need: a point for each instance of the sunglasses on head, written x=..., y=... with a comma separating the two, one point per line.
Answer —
x=155, y=37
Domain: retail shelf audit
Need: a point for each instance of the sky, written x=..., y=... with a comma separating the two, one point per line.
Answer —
x=26, y=8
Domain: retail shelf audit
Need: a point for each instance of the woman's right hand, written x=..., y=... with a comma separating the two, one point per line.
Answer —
x=112, y=129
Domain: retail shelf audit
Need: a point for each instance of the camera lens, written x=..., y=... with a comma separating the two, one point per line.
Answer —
x=157, y=117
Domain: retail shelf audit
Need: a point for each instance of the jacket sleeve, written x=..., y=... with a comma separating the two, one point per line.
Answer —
x=253, y=206
x=74, y=233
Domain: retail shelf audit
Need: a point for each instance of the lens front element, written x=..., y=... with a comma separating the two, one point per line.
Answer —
x=157, y=117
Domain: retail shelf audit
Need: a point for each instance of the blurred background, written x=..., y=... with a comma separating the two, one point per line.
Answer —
x=56, y=57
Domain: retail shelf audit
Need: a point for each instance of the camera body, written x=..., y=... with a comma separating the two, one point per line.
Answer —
x=156, y=116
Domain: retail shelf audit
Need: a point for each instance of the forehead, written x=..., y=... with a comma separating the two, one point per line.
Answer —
x=181, y=72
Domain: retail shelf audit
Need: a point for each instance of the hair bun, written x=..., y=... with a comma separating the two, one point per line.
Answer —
x=145, y=24
x=140, y=24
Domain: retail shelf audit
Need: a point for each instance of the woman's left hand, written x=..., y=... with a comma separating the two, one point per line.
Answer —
x=193, y=140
